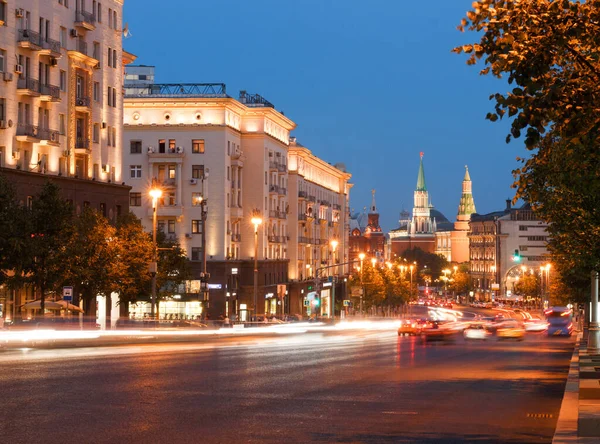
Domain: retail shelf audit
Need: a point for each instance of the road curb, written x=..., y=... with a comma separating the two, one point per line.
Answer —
x=567, y=424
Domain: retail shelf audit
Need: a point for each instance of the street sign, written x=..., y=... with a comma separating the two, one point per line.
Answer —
x=68, y=293
x=346, y=302
x=306, y=302
x=68, y=298
x=356, y=291
x=496, y=287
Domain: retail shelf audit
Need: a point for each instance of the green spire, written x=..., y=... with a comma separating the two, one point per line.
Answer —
x=466, y=207
x=421, y=178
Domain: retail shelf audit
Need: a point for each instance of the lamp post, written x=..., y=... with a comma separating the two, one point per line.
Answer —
x=334, y=243
x=155, y=194
x=547, y=268
x=202, y=201
x=361, y=256
x=446, y=272
x=256, y=221
x=493, y=268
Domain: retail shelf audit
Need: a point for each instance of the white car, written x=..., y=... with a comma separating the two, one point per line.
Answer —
x=535, y=325
x=476, y=331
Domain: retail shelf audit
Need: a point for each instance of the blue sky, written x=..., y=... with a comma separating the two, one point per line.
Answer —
x=370, y=84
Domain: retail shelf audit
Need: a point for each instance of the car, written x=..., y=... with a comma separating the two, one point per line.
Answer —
x=535, y=325
x=476, y=331
x=510, y=330
x=409, y=327
x=437, y=331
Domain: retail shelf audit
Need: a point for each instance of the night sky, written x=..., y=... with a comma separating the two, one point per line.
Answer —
x=369, y=84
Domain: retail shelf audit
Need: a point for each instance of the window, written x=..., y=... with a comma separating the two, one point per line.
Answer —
x=2, y=109
x=114, y=58
x=3, y=12
x=99, y=13
x=103, y=209
x=196, y=227
x=196, y=199
x=114, y=136
x=135, y=199
x=172, y=143
x=115, y=19
x=63, y=80
x=109, y=134
x=172, y=174
x=96, y=133
x=228, y=178
x=228, y=148
x=62, y=124
x=135, y=171
x=198, y=146
x=196, y=253
x=96, y=91
x=161, y=145
x=114, y=97
x=110, y=17
x=171, y=226
x=135, y=147
x=96, y=51
x=197, y=171
x=3, y=65
x=110, y=57
x=522, y=227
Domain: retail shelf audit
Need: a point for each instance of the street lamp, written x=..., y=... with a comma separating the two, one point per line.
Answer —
x=256, y=221
x=361, y=256
x=155, y=194
x=334, y=243
x=547, y=268
x=373, y=262
x=446, y=273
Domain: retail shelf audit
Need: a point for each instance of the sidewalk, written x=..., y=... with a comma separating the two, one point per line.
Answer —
x=579, y=417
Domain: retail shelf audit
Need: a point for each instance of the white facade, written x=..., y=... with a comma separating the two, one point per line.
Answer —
x=176, y=139
x=61, y=87
x=319, y=214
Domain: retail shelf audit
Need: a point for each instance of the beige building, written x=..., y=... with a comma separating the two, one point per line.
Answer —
x=199, y=144
x=61, y=78
x=318, y=214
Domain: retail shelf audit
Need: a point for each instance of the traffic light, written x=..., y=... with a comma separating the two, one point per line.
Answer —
x=317, y=302
x=310, y=288
x=516, y=257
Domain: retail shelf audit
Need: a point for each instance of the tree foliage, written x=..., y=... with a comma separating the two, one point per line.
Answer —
x=549, y=52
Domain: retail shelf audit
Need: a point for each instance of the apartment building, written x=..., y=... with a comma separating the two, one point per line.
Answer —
x=493, y=240
x=217, y=160
x=61, y=77
x=319, y=225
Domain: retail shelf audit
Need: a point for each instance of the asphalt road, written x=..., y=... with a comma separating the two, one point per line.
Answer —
x=371, y=387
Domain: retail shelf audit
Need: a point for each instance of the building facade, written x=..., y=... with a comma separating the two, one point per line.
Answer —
x=220, y=161
x=366, y=235
x=493, y=240
x=460, y=235
x=61, y=78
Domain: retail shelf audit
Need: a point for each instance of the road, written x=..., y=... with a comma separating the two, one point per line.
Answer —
x=368, y=387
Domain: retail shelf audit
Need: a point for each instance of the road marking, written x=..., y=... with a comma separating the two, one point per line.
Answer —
x=400, y=413
x=540, y=415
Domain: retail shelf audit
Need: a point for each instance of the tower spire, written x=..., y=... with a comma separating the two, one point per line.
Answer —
x=421, y=178
x=373, y=206
x=466, y=206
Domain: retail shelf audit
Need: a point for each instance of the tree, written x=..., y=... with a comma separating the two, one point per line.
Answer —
x=459, y=282
x=50, y=220
x=14, y=236
x=92, y=257
x=428, y=264
x=133, y=259
x=528, y=285
x=550, y=51
x=173, y=266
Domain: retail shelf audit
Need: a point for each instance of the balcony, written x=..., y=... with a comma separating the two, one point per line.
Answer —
x=330, y=224
x=281, y=215
x=49, y=136
x=236, y=237
x=276, y=239
x=85, y=20
x=325, y=203
x=282, y=191
x=82, y=104
x=304, y=240
x=28, y=87
x=302, y=216
x=337, y=207
x=50, y=93
x=167, y=211
x=27, y=133
x=81, y=54
x=50, y=48
x=282, y=168
x=302, y=194
x=311, y=198
x=273, y=189
x=272, y=165
x=81, y=143
x=29, y=39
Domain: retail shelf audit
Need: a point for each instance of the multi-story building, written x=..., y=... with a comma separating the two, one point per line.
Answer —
x=61, y=78
x=318, y=224
x=493, y=240
x=216, y=158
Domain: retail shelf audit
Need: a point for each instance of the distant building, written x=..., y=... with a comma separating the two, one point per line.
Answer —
x=493, y=240
x=366, y=235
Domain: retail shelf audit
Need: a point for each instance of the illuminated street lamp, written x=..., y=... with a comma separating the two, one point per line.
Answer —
x=373, y=262
x=361, y=256
x=256, y=221
x=155, y=194
x=446, y=273
x=334, y=243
